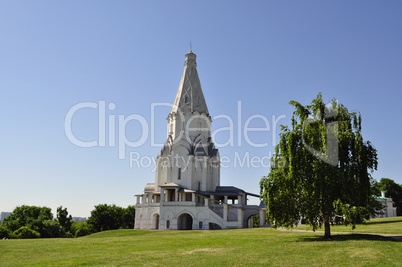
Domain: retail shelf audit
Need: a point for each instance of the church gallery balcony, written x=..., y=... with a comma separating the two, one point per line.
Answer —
x=221, y=203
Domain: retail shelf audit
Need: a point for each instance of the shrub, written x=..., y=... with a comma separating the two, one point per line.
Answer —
x=25, y=232
x=80, y=229
x=4, y=232
x=52, y=229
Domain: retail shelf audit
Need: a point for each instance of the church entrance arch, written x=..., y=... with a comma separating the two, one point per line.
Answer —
x=185, y=222
x=155, y=221
x=253, y=221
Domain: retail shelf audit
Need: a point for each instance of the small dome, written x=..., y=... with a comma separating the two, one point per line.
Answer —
x=149, y=188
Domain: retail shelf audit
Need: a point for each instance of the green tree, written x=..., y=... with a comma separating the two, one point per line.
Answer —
x=4, y=232
x=392, y=190
x=64, y=219
x=256, y=221
x=25, y=232
x=128, y=217
x=321, y=168
x=52, y=228
x=36, y=219
x=29, y=216
x=109, y=217
x=105, y=217
x=80, y=229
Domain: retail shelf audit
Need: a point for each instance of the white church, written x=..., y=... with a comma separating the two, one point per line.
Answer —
x=187, y=193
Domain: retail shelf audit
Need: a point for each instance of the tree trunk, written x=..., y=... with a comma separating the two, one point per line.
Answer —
x=327, y=227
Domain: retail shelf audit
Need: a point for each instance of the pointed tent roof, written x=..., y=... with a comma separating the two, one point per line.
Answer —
x=189, y=96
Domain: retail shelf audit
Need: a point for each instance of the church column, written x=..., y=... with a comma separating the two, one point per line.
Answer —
x=138, y=199
x=162, y=195
x=239, y=200
x=207, y=202
x=240, y=215
x=193, y=197
x=212, y=200
x=226, y=200
x=225, y=212
x=176, y=195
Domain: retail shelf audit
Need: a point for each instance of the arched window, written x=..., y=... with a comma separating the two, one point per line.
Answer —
x=200, y=225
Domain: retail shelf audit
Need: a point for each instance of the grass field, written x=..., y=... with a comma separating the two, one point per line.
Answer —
x=259, y=246
x=391, y=225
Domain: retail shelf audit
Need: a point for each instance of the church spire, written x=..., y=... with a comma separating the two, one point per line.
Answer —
x=189, y=96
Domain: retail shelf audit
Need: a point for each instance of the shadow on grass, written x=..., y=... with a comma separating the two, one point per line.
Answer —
x=349, y=237
x=381, y=222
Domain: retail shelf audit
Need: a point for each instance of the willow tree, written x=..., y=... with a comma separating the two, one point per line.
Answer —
x=321, y=169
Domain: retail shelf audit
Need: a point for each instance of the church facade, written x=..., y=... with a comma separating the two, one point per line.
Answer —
x=187, y=193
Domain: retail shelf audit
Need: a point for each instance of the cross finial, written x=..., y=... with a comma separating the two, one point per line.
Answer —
x=191, y=47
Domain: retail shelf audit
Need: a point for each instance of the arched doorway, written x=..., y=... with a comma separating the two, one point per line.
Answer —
x=155, y=221
x=253, y=221
x=185, y=222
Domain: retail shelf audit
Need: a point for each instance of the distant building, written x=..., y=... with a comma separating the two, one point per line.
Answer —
x=187, y=193
x=4, y=215
x=389, y=210
x=79, y=219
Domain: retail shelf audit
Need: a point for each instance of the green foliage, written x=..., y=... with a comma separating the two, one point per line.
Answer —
x=4, y=232
x=256, y=221
x=52, y=229
x=321, y=167
x=128, y=217
x=80, y=229
x=392, y=190
x=105, y=217
x=25, y=232
x=40, y=220
x=64, y=219
x=28, y=221
x=30, y=216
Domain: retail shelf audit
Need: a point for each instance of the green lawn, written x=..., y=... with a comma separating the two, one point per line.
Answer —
x=391, y=225
x=261, y=246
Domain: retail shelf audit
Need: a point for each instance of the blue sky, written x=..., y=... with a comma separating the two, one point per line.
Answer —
x=256, y=54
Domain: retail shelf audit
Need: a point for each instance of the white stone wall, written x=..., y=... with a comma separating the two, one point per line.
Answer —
x=197, y=172
x=223, y=215
x=388, y=210
x=145, y=218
